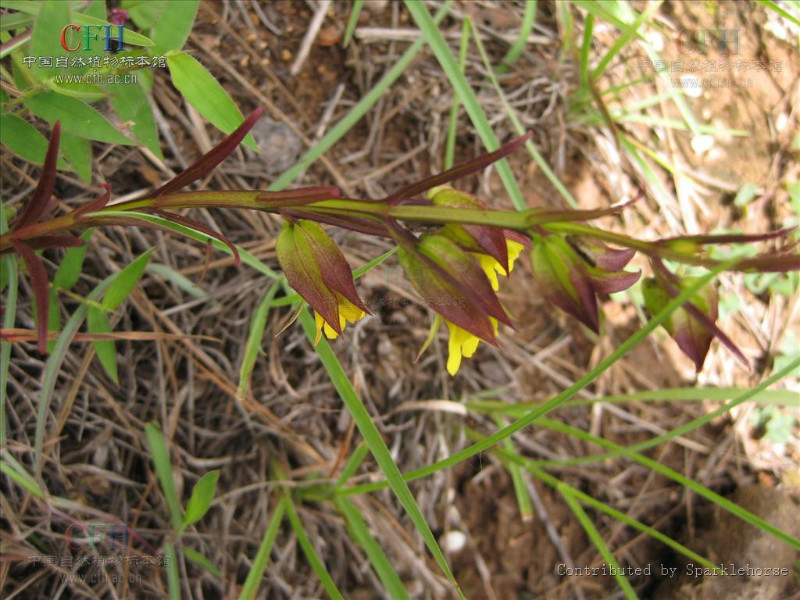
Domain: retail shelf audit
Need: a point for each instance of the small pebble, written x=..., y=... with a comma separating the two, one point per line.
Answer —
x=453, y=541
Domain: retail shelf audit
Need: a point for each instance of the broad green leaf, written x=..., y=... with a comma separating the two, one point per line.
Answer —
x=97, y=322
x=95, y=8
x=205, y=93
x=16, y=21
x=160, y=455
x=201, y=498
x=144, y=14
x=77, y=89
x=76, y=117
x=132, y=104
x=23, y=139
x=125, y=281
x=128, y=36
x=173, y=25
x=78, y=152
x=46, y=36
x=23, y=6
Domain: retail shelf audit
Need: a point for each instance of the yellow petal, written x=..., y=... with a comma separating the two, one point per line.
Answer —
x=514, y=250
x=320, y=323
x=461, y=344
x=491, y=267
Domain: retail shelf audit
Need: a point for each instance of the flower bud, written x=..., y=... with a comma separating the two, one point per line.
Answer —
x=317, y=270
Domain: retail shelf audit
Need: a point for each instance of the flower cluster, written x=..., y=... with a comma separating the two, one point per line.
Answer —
x=455, y=266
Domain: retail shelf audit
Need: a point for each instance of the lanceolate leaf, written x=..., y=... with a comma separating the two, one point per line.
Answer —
x=197, y=225
x=206, y=163
x=97, y=324
x=38, y=278
x=205, y=93
x=131, y=103
x=173, y=24
x=125, y=281
x=44, y=189
x=76, y=117
x=78, y=152
x=459, y=171
x=24, y=139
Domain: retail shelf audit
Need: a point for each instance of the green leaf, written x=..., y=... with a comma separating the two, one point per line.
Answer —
x=308, y=549
x=131, y=103
x=352, y=21
x=376, y=444
x=76, y=117
x=128, y=36
x=23, y=139
x=205, y=93
x=96, y=9
x=160, y=455
x=125, y=281
x=66, y=276
x=78, y=152
x=449, y=65
x=97, y=322
x=197, y=558
x=78, y=89
x=380, y=562
x=8, y=284
x=144, y=14
x=250, y=587
x=201, y=498
x=258, y=323
x=16, y=21
x=46, y=36
x=173, y=25
x=71, y=265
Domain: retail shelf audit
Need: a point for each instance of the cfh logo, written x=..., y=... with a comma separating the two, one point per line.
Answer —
x=72, y=35
x=723, y=41
x=79, y=535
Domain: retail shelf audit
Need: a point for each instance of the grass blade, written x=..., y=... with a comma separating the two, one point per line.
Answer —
x=250, y=587
x=159, y=453
x=559, y=399
x=258, y=324
x=468, y=99
x=352, y=21
x=375, y=442
x=356, y=113
x=380, y=562
x=308, y=549
x=528, y=20
x=598, y=541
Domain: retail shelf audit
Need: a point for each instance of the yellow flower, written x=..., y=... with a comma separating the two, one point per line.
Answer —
x=462, y=343
x=491, y=266
x=348, y=313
